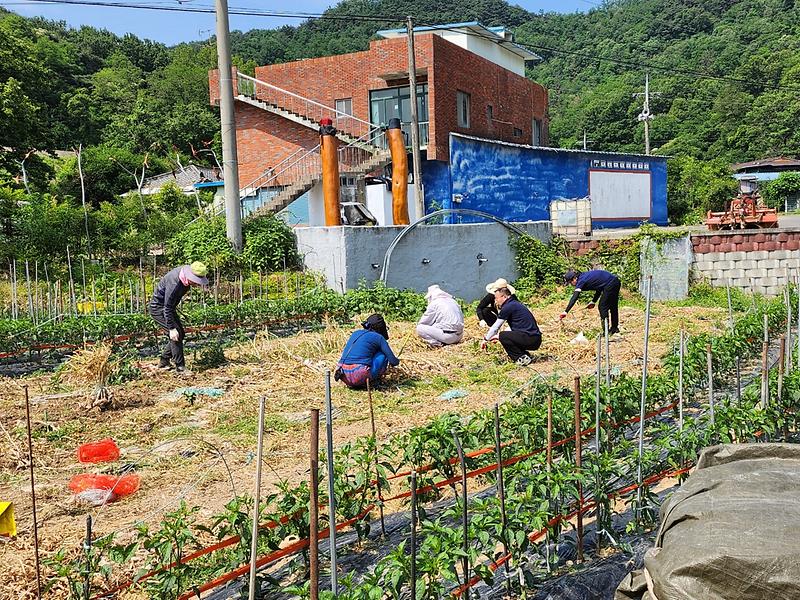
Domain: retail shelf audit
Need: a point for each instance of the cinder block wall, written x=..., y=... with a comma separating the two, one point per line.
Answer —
x=757, y=261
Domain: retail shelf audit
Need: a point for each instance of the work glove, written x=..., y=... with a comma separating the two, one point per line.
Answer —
x=590, y=305
x=482, y=323
x=562, y=316
x=174, y=335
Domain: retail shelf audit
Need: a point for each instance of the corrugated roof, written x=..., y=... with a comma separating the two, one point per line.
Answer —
x=182, y=178
x=778, y=161
x=566, y=150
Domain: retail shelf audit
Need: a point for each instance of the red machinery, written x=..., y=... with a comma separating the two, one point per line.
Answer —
x=746, y=211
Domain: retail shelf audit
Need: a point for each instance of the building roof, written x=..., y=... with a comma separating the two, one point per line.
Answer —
x=184, y=179
x=497, y=35
x=779, y=162
x=560, y=150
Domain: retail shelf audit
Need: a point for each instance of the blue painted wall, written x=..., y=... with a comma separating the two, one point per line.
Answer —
x=517, y=183
x=436, y=183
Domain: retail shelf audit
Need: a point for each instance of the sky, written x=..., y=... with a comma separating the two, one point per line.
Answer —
x=172, y=27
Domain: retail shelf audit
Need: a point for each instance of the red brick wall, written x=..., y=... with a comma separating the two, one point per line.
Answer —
x=264, y=140
x=514, y=99
x=745, y=241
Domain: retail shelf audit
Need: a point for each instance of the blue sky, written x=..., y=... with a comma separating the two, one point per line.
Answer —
x=172, y=28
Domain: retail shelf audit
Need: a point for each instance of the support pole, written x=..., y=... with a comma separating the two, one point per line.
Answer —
x=375, y=440
x=549, y=466
x=87, y=549
x=681, y=355
x=256, y=501
x=329, y=154
x=788, y=355
x=331, y=490
x=313, y=513
x=710, y=377
x=464, y=515
x=227, y=117
x=419, y=201
x=501, y=489
x=781, y=369
x=730, y=305
x=33, y=495
x=578, y=446
x=397, y=146
x=643, y=401
x=597, y=395
x=608, y=353
x=413, y=569
x=764, y=374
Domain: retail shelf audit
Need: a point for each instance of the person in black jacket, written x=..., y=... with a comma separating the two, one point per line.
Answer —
x=163, y=308
x=487, y=309
x=524, y=334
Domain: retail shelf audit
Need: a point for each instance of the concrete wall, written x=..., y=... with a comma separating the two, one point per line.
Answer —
x=442, y=254
x=517, y=182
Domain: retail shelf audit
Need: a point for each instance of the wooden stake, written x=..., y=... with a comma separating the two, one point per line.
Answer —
x=375, y=440
x=33, y=495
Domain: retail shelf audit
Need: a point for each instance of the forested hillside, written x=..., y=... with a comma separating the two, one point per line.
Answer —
x=725, y=76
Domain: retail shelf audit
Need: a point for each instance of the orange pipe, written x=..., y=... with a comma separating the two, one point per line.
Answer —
x=397, y=146
x=330, y=173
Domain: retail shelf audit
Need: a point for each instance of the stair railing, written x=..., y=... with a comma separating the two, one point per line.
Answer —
x=304, y=107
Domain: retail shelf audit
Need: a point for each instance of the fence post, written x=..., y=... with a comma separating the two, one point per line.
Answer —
x=313, y=517
x=639, y=477
x=578, y=445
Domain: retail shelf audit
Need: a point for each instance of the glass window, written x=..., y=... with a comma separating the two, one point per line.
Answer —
x=462, y=100
x=517, y=132
x=537, y=132
x=345, y=106
x=489, y=112
x=395, y=103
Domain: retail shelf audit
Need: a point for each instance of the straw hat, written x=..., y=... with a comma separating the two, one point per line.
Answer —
x=500, y=283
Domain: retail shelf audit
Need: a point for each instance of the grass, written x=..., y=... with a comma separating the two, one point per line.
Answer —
x=233, y=426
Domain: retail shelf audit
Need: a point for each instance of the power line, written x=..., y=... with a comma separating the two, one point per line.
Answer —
x=638, y=65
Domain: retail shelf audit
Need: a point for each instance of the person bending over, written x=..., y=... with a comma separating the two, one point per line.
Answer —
x=443, y=322
x=164, y=305
x=524, y=334
x=605, y=286
x=366, y=354
x=486, y=309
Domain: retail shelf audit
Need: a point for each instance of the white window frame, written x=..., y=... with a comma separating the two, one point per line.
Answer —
x=463, y=108
x=344, y=106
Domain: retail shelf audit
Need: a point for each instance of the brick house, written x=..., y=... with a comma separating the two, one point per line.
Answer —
x=470, y=80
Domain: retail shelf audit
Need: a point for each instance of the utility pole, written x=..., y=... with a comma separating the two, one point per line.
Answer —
x=230, y=161
x=646, y=116
x=586, y=142
x=419, y=201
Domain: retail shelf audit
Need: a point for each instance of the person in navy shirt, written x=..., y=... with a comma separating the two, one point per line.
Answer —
x=366, y=354
x=524, y=334
x=605, y=286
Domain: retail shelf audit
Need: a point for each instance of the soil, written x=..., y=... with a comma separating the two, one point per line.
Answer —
x=202, y=451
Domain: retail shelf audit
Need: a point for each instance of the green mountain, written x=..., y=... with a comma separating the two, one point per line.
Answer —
x=725, y=75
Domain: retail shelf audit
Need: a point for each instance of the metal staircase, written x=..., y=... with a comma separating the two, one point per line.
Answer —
x=362, y=153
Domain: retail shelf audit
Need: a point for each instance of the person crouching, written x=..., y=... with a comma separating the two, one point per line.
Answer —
x=366, y=354
x=524, y=334
x=443, y=322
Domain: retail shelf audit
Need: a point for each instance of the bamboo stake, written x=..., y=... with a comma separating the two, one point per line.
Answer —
x=578, y=447
x=643, y=399
x=464, y=513
x=33, y=495
x=313, y=548
x=257, y=502
x=501, y=489
x=375, y=440
x=331, y=487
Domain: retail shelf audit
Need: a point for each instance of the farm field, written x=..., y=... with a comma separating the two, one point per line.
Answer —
x=177, y=442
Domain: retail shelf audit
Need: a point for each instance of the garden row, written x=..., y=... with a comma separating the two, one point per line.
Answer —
x=534, y=498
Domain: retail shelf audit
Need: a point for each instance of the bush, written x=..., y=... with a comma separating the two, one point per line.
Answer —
x=269, y=245
x=204, y=240
x=778, y=191
x=539, y=262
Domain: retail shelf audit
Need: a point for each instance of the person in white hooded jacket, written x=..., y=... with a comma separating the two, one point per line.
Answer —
x=443, y=322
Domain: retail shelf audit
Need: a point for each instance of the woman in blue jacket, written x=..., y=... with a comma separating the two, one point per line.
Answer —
x=366, y=354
